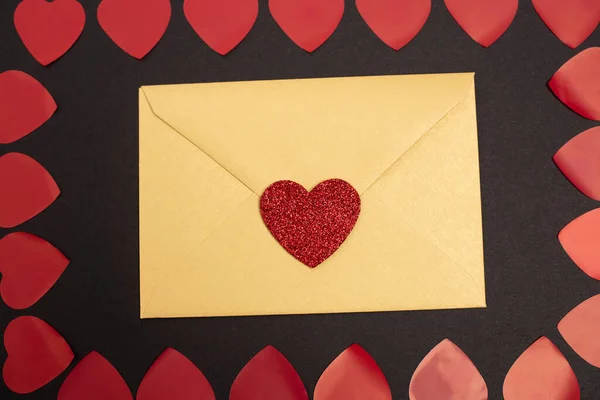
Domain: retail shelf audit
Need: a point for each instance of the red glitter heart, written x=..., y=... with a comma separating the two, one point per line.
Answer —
x=311, y=226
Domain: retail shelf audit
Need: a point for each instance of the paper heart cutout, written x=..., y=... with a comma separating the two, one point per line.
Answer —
x=49, y=29
x=268, y=376
x=311, y=226
x=37, y=354
x=26, y=189
x=25, y=105
x=309, y=23
x=395, y=22
x=580, y=240
x=222, y=24
x=30, y=266
x=136, y=26
x=353, y=375
x=581, y=328
x=483, y=20
x=579, y=161
x=173, y=376
x=541, y=372
x=447, y=373
x=94, y=378
x=577, y=83
x=571, y=21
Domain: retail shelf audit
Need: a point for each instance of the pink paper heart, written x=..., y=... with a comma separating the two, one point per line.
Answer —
x=581, y=329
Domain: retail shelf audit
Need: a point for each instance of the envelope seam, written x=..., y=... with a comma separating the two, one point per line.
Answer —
x=192, y=143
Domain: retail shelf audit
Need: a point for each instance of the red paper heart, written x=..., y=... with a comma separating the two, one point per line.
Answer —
x=580, y=240
x=541, y=372
x=173, y=376
x=268, y=376
x=49, y=28
x=309, y=23
x=26, y=189
x=311, y=226
x=577, y=83
x=353, y=375
x=395, y=22
x=579, y=161
x=581, y=330
x=30, y=266
x=571, y=21
x=25, y=105
x=94, y=378
x=447, y=373
x=136, y=26
x=483, y=20
x=222, y=24
x=36, y=354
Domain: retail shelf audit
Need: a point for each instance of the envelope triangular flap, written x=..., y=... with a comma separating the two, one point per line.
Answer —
x=308, y=130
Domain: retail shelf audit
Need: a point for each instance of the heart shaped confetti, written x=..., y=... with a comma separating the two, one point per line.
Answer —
x=541, y=372
x=579, y=161
x=395, y=22
x=268, y=376
x=309, y=23
x=173, y=376
x=580, y=240
x=136, y=26
x=577, y=83
x=447, y=373
x=25, y=105
x=311, y=226
x=483, y=20
x=571, y=21
x=94, y=378
x=581, y=328
x=222, y=24
x=49, y=28
x=36, y=354
x=353, y=375
x=26, y=189
x=30, y=266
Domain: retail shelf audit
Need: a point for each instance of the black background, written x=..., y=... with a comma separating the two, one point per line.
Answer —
x=90, y=148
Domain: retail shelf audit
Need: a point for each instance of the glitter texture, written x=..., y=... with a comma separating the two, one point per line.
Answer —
x=311, y=226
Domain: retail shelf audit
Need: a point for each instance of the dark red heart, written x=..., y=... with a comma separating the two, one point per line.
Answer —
x=483, y=20
x=395, y=22
x=310, y=225
x=173, y=376
x=136, y=26
x=309, y=23
x=572, y=21
x=26, y=189
x=222, y=24
x=49, y=28
x=25, y=105
x=30, y=266
x=36, y=354
x=94, y=378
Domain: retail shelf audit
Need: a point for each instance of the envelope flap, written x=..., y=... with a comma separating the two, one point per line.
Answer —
x=308, y=130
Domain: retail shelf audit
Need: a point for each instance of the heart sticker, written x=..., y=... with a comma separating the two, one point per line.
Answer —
x=483, y=20
x=25, y=105
x=309, y=23
x=26, y=189
x=571, y=21
x=222, y=24
x=136, y=26
x=49, y=28
x=311, y=226
x=30, y=266
x=37, y=354
x=395, y=22
x=94, y=378
x=173, y=376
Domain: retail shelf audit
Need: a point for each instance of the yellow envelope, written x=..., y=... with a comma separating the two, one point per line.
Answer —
x=408, y=145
